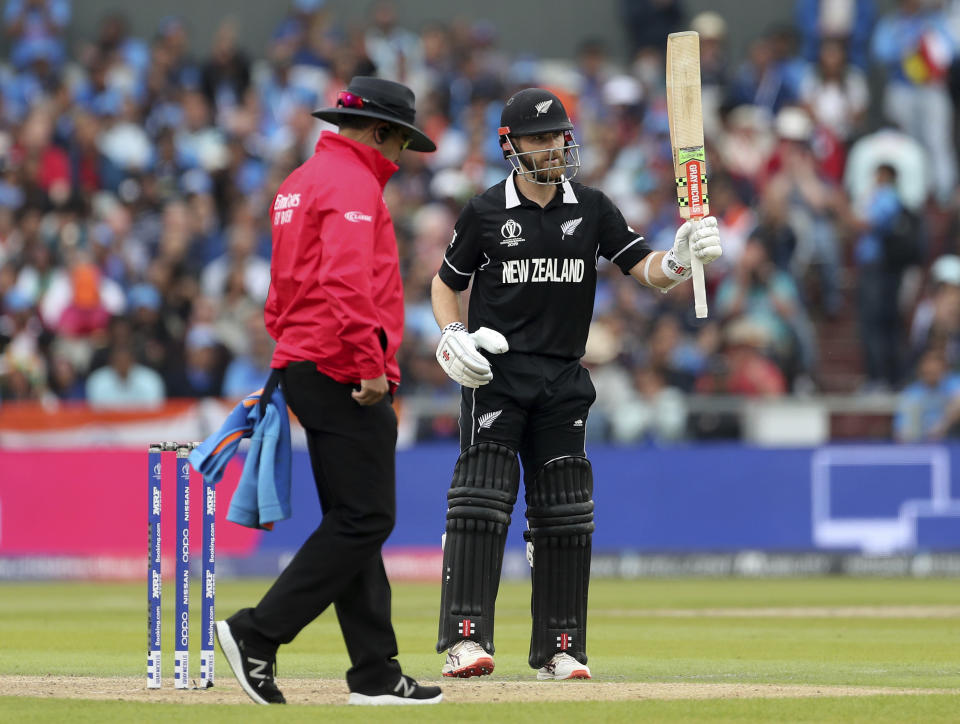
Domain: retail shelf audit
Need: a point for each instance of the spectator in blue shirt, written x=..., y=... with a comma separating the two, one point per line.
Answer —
x=915, y=50
x=124, y=383
x=879, y=284
x=929, y=408
x=36, y=26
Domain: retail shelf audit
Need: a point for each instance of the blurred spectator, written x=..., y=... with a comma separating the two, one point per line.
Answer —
x=22, y=366
x=929, y=407
x=743, y=367
x=114, y=41
x=811, y=202
x=745, y=147
x=248, y=371
x=80, y=301
x=850, y=21
x=766, y=78
x=235, y=306
x=150, y=334
x=240, y=256
x=936, y=321
x=594, y=70
x=35, y=27
x=225, y=75
x=172, y=44
x=915, y=49
x=654, y=411
x=674, y=356
x=880, y=271
x=894, y=148
x=124, y=383
x=835, y=92
x=758, y=293
x=200, y=371
x=66, y=379
x=714, y=64
x=609, y=378
x=648, y=22
x=395, y=51
x=42, y=166
x=774, y=231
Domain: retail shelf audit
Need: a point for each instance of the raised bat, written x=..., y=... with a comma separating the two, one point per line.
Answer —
x=686, y=138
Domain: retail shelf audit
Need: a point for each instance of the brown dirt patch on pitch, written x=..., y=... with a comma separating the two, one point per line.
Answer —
x=326, y=691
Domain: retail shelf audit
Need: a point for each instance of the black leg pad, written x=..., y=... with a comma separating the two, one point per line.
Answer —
x=560, y=516
x=485, y=484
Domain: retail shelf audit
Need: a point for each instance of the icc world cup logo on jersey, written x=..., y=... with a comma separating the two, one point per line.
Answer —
x=511, y=231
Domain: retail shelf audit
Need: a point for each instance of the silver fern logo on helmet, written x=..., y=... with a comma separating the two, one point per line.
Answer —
x=543, y=107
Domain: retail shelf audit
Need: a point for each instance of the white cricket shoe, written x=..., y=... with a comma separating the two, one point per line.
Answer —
x=467, y=658
x=561, y=667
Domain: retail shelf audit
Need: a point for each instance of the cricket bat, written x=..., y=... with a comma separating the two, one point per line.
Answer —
x=686, y=138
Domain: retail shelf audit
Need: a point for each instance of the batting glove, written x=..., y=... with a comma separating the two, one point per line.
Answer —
x=459, y=357
x=699, y=237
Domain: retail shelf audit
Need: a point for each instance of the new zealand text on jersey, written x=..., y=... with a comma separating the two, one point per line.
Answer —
x=520, y=271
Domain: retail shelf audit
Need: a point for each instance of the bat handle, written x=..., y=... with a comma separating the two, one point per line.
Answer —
x=699, y=286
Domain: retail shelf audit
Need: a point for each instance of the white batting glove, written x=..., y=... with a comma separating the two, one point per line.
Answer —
x=699, y=237
x=459, y=357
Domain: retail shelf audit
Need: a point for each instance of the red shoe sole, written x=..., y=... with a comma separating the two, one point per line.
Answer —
x=481, y=667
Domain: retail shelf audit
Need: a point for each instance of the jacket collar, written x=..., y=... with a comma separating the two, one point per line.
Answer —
x=370, y=157
x=512, y=198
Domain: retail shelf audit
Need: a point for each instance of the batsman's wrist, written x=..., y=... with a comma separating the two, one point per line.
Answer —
x=673, y=270
x=454, y=327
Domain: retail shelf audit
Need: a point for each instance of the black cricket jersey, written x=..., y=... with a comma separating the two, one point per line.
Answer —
x=535, y=269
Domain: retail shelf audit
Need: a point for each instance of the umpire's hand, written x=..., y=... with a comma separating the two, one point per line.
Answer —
x=458, y=355
x=371, y=391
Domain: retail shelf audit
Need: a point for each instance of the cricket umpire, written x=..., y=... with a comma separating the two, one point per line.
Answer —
x=531, y=245
x=335, y=308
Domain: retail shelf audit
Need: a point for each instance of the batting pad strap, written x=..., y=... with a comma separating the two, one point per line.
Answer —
x=495, y=498
x=544, y=513
x=477, y=512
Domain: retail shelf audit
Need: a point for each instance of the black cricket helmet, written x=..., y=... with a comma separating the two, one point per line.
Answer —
x=529, y=112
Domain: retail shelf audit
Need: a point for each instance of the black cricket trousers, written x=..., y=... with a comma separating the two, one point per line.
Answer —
x=352, y=451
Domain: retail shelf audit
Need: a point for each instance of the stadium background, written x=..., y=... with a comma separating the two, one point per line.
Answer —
x=144, y=212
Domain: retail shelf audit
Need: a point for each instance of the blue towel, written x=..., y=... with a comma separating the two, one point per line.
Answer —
x=262, y=496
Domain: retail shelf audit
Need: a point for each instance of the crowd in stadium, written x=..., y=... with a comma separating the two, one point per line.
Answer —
x=136, y=174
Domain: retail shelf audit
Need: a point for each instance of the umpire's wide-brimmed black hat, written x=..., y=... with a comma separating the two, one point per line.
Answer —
x=382, y=99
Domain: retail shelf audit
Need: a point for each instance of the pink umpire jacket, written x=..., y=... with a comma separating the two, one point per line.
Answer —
x=336, y=298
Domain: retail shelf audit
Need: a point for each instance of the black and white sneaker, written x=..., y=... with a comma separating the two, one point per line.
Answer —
x=405, y=691
x=254, y=671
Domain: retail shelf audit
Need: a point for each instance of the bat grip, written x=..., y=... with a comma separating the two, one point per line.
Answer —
x=699, y=286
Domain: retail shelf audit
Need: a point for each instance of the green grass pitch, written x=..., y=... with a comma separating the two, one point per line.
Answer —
x=896, y=635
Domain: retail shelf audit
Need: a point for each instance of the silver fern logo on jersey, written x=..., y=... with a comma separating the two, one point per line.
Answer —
x=543, y=106
x=568, y=227
x=486, y=420
x=511, y=231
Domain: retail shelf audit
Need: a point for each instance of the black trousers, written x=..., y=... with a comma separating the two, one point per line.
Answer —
x=352, y=451
x=536, y=405
x=881, y=339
